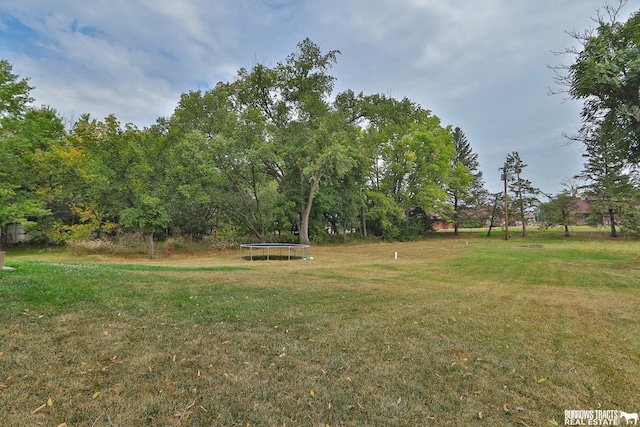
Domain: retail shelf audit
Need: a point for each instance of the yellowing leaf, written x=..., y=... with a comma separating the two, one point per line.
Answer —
x=49, y=402
x=541, y=380
x=312, y=393
x=96, y=394
x=39, y=408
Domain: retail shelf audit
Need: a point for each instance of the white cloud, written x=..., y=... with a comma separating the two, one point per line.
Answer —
x=477, y=65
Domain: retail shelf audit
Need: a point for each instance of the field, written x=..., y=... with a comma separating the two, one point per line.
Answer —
x=454, y=332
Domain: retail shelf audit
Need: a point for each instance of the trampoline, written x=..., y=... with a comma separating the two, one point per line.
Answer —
x=269, y=250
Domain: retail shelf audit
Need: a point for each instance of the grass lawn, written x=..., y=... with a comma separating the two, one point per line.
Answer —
x=457, y=331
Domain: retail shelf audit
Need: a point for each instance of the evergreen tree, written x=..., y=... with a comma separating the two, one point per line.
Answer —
x=465, y=185
x=526, y=195
x=609, y=186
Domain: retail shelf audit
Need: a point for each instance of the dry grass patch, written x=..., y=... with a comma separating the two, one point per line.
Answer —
x=450, y=333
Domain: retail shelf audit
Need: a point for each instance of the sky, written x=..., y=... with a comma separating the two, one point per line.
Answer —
x=482, y=66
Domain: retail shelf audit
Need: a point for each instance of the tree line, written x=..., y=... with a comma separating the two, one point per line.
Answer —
x=276, y=154
x=273, y=154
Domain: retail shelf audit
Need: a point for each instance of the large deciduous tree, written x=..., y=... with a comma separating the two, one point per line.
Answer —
x=122, y=177
x=14, y=92
x=606, y=76
x=306, y=139
x=227, y=157
x=23, y=131
x=410, y=154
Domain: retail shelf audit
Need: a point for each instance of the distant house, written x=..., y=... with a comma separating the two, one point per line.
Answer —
x=583, y=208
x=439, y=223
x=480, y=216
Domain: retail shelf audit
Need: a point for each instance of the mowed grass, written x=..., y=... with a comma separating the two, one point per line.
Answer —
x=456, y=331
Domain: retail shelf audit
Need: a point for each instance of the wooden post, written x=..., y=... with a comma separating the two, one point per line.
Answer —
x=506, y=205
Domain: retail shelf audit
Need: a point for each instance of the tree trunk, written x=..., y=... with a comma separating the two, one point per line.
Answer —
x=305, y=212
x=363, y=223
x=493, y=215
x=303, y=230
x=566, y=231
x=456, y=217
x=150, y=245
x=613, y=223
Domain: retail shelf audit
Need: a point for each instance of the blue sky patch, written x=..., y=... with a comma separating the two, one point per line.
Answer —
x=87, y=31
x=17, y=37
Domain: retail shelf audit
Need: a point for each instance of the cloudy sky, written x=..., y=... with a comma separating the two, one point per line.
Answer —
x=481, y=65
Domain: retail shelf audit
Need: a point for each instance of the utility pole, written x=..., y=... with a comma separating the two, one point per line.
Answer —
x=506, y=203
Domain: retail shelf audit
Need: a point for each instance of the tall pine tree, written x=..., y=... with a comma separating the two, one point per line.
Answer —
x=526, y=195
x=465, y=187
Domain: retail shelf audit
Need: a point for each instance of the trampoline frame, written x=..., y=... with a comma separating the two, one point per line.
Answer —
x=280, y=246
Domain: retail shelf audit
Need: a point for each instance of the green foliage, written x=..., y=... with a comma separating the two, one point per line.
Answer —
x=606, y=75
x=629, y=214
x=24, y=132
x=465, y=187
x=148, y=215
x=14, y=92
x=307, y=138
x=410, y=154
x=274, y=154
x=526, y=195
x=609, y=186
x=384, y=217
x=560, y=210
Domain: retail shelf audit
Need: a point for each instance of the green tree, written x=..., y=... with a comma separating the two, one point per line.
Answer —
x=14, y=92
x=147, y=215
x=560, y=210
x=306, y=139
x=39, y=133
x=630, y=218
x=608, y=183
x=465, y=186
x=105, y=155
x=606, y=76
x=526, y=195
x=192, y=186
x=230, y=154
x=23, y=131
x=410, y=154
x=123, y=173
x=147, y=182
